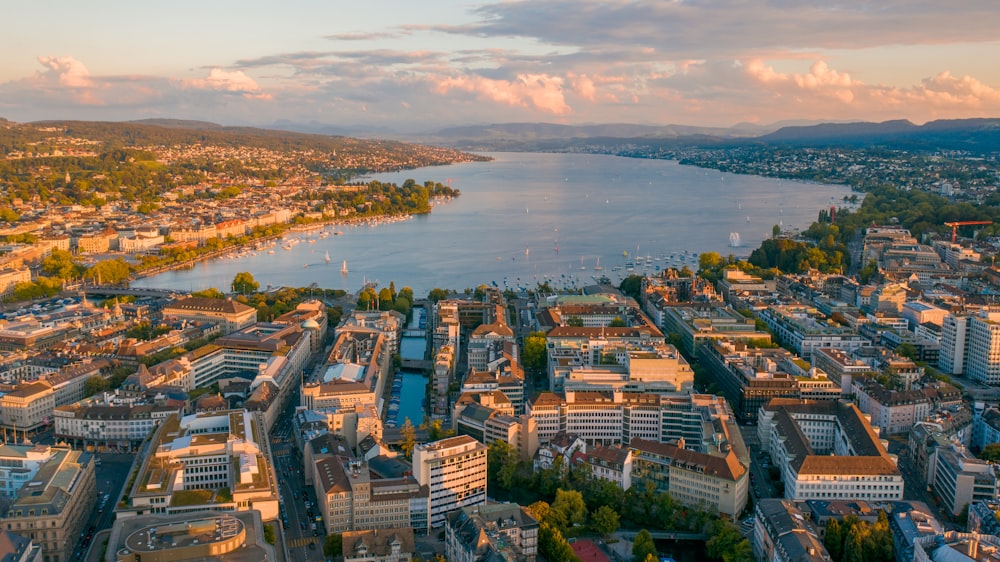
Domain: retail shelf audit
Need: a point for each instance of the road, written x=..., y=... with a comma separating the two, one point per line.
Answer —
x=304, y=543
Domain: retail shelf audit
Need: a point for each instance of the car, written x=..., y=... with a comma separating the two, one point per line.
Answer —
x=312, y=546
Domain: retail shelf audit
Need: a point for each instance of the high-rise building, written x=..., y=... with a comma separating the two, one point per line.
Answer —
x=954, y=344
x=454, y=469
x=983, y=361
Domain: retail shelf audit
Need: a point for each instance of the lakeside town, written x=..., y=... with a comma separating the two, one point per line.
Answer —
x=834, y=397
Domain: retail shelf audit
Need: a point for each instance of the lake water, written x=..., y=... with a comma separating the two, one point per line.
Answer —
x=528, y=218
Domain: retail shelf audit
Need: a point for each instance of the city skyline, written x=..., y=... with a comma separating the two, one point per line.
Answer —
x=415, y=67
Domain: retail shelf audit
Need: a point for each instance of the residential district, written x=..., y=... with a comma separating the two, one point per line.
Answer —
x=259, y=440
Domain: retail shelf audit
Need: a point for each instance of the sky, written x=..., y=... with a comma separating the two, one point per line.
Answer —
x=422, y=65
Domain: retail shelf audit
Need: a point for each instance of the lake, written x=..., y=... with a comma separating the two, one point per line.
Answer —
x=527, y=218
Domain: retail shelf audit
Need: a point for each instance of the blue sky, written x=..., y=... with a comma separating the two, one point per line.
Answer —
x=412, y=66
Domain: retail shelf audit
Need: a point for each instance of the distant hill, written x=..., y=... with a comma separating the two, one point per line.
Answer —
x=972, y=135
x=534, y=132
x=177, y=123
x=341, y=152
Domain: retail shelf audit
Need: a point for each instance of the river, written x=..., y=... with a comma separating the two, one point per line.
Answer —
x=527, y=218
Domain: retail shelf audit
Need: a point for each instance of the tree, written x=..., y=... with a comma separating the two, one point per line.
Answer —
x=540, y=510
x=209, y=293
x=834, y=539
x=409, y=435
x=385, y=299
x=333, y=546
x=617, y=322
x=553, y=546
x=571, y=508
x=776, y=231
x=643, y=545
x=109, y=272
x=907, y=350
x=535, y=356
x=244, y=283
x=709, y=260
x=60, y=264
x=605, y=521
x=501, y=461
x=574, y=321
x=93, y=385
x=437, y=294
x=631, y=286
x=406, y=293
x=990, y=453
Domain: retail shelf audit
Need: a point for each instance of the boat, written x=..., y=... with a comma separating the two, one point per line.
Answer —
x=598, y=266
x=326, y=258
x=343, y=267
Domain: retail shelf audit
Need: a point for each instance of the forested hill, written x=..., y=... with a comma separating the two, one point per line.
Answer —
x=38, y=138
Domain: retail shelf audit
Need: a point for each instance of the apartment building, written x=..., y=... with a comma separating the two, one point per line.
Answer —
x=108, y=423
x=983, y=360
x=718, y=481
x=783, y=534
x=352, y=499
x=52, y=507
x=961, y=479
x=827, y=450
x=893, y=411
x=28, y=407
x=491, y=532
x=454, y=470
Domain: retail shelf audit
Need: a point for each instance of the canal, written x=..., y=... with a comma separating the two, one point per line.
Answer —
x=412, y=390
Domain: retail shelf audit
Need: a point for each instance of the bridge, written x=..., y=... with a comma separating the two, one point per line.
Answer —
x=108, y=290
x=417, y=364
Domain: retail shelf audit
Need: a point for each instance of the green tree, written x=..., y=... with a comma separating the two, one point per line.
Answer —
x=333, y=546
x=437, y=295
x=574, y=321
x=643, y=545
x=406, y=293
x=109, y=272
x=908, y=350
x=990, y=453
x=536, y=354
x=269, y=533
x=834, y=540
x=617, y=322
x=409, y=435
x=60, y=264
x=631, y=286
x=244, y=283
x=540, y=510
x=385, y=299
x=605, y=521
x=93, y=385
x=502, y=462
x=209, y=293
x=709, y=260
x=553, y=546
x=570, y=504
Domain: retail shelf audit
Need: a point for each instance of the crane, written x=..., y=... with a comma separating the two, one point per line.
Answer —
x=954, y=227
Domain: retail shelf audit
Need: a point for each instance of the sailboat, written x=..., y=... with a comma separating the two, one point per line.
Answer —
x=343, y=267
x=598, y=267
x=327, y=257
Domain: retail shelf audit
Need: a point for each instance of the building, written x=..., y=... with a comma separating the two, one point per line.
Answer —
x=893, y=411
x=217, y=460
x=782, y=533
x=28, y=407
x=227, y=313
x=910, y=525
x=827, y=450
x=954, y=344
x=961, y=479
x=379, y=545
x=749, y=377
x=352, y=499
x=15, y=548
x=840, y=367
x=699, y=323
x=983, y=360
x=454, y=470
x=110, y=423
x=199, y=535
x=717, y=481
x=9, y=278
x=491, y=532
x=52, y=508
x=805, y=330
x=954, y=546
x=611, y=463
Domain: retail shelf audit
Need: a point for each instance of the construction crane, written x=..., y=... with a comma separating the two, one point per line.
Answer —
x=954, y=227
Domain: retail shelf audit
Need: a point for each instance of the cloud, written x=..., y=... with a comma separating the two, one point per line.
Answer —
x=364, y=36
x=69, y=71
x=232, y=81
x=526, y=90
